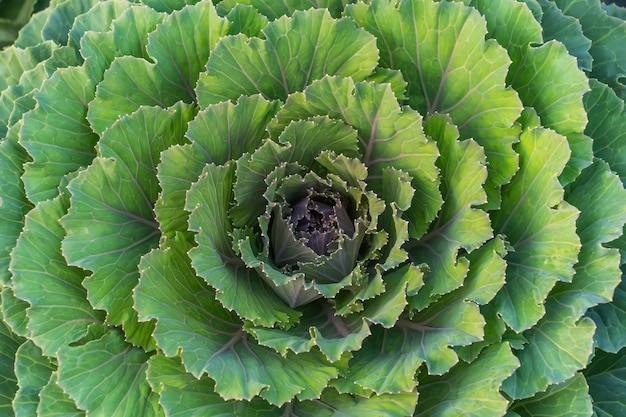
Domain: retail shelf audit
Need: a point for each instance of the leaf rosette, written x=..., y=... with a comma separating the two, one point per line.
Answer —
x=312, y=208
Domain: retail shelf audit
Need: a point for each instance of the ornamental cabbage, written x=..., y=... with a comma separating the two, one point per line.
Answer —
x=314, y=208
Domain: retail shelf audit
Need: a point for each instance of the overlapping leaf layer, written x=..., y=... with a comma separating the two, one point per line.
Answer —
x=313, y=208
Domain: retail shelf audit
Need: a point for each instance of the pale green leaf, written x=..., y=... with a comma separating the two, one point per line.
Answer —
x=606, y=376
x=296, y=51
x=58, y=312
x=570, y=398
x=599, y=195
x=245, y=19
x=459, y=224
x=440, y=48
x=469, y=389
x=110, y=223
x=183, y=395
x=54, y=402
x=180, y=46
x=547, y=79
x=388, y=136
x=558, y=346
x=107, y=377
x=56, y=134
x=96, y=19
x=168, y=5
x=33, y=371
x=61, y=19
x=539, y=226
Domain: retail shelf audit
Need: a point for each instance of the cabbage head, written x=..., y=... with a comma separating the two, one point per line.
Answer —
x=314, y=208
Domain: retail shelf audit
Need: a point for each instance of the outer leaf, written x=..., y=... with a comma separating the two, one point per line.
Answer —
x=606, y=376
x=107, y=377
x=59, y=312
x=13, y=202
x=110, y=223
x=610, y=320
x=548, y=80
x=607, y=34
x=54, y=402
x=183, y=395
x=33, y=371
x=469, y=389
x=601, y=198
x=296, y=51
x=558, y=346
x=274, y=10
x=180, y=45
x=333, y=404
x=128, y=35
x=570, y=398
x=566, y=29
x=607, y=126
x=210, y=339
x=459, y=224
x=56, y=134
x=9, y=343
x=96, y=19
x=238, y=288
x=389, y=136
x=539, y=226
x=61, y=19
x=454, y=35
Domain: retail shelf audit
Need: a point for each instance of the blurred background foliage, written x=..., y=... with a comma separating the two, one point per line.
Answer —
x=14, y=14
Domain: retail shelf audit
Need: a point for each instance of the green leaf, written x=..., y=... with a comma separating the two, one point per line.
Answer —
x=61, y=19
x=566, y=29
x=439, y=45
x=245, y=19
x=13, y=202
x=218, y=134
x=180, y=46
x=183, y=395
x=539, y=226
x=107, y=376
x=14, y=312
x=128, y=36
x=606, y=376
x=296, y=51
x=33, y=371
x=607, y=34
x=54, y=402
x=273, y=10
x=334, y=404
x=558, y=346
x=469, y=389
x=168, y=6
x=15, y=61
x=569, y=398
x=459, y=225
x=511, y=23
x=211, y=339
x=56, y=134
x=58, y=312
x=110, y=223
x=9, y=343
x=388, y=136
x=607, y=126
x=548, y=80
x=610, y=319
x=96, y=19
x=601, y=199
